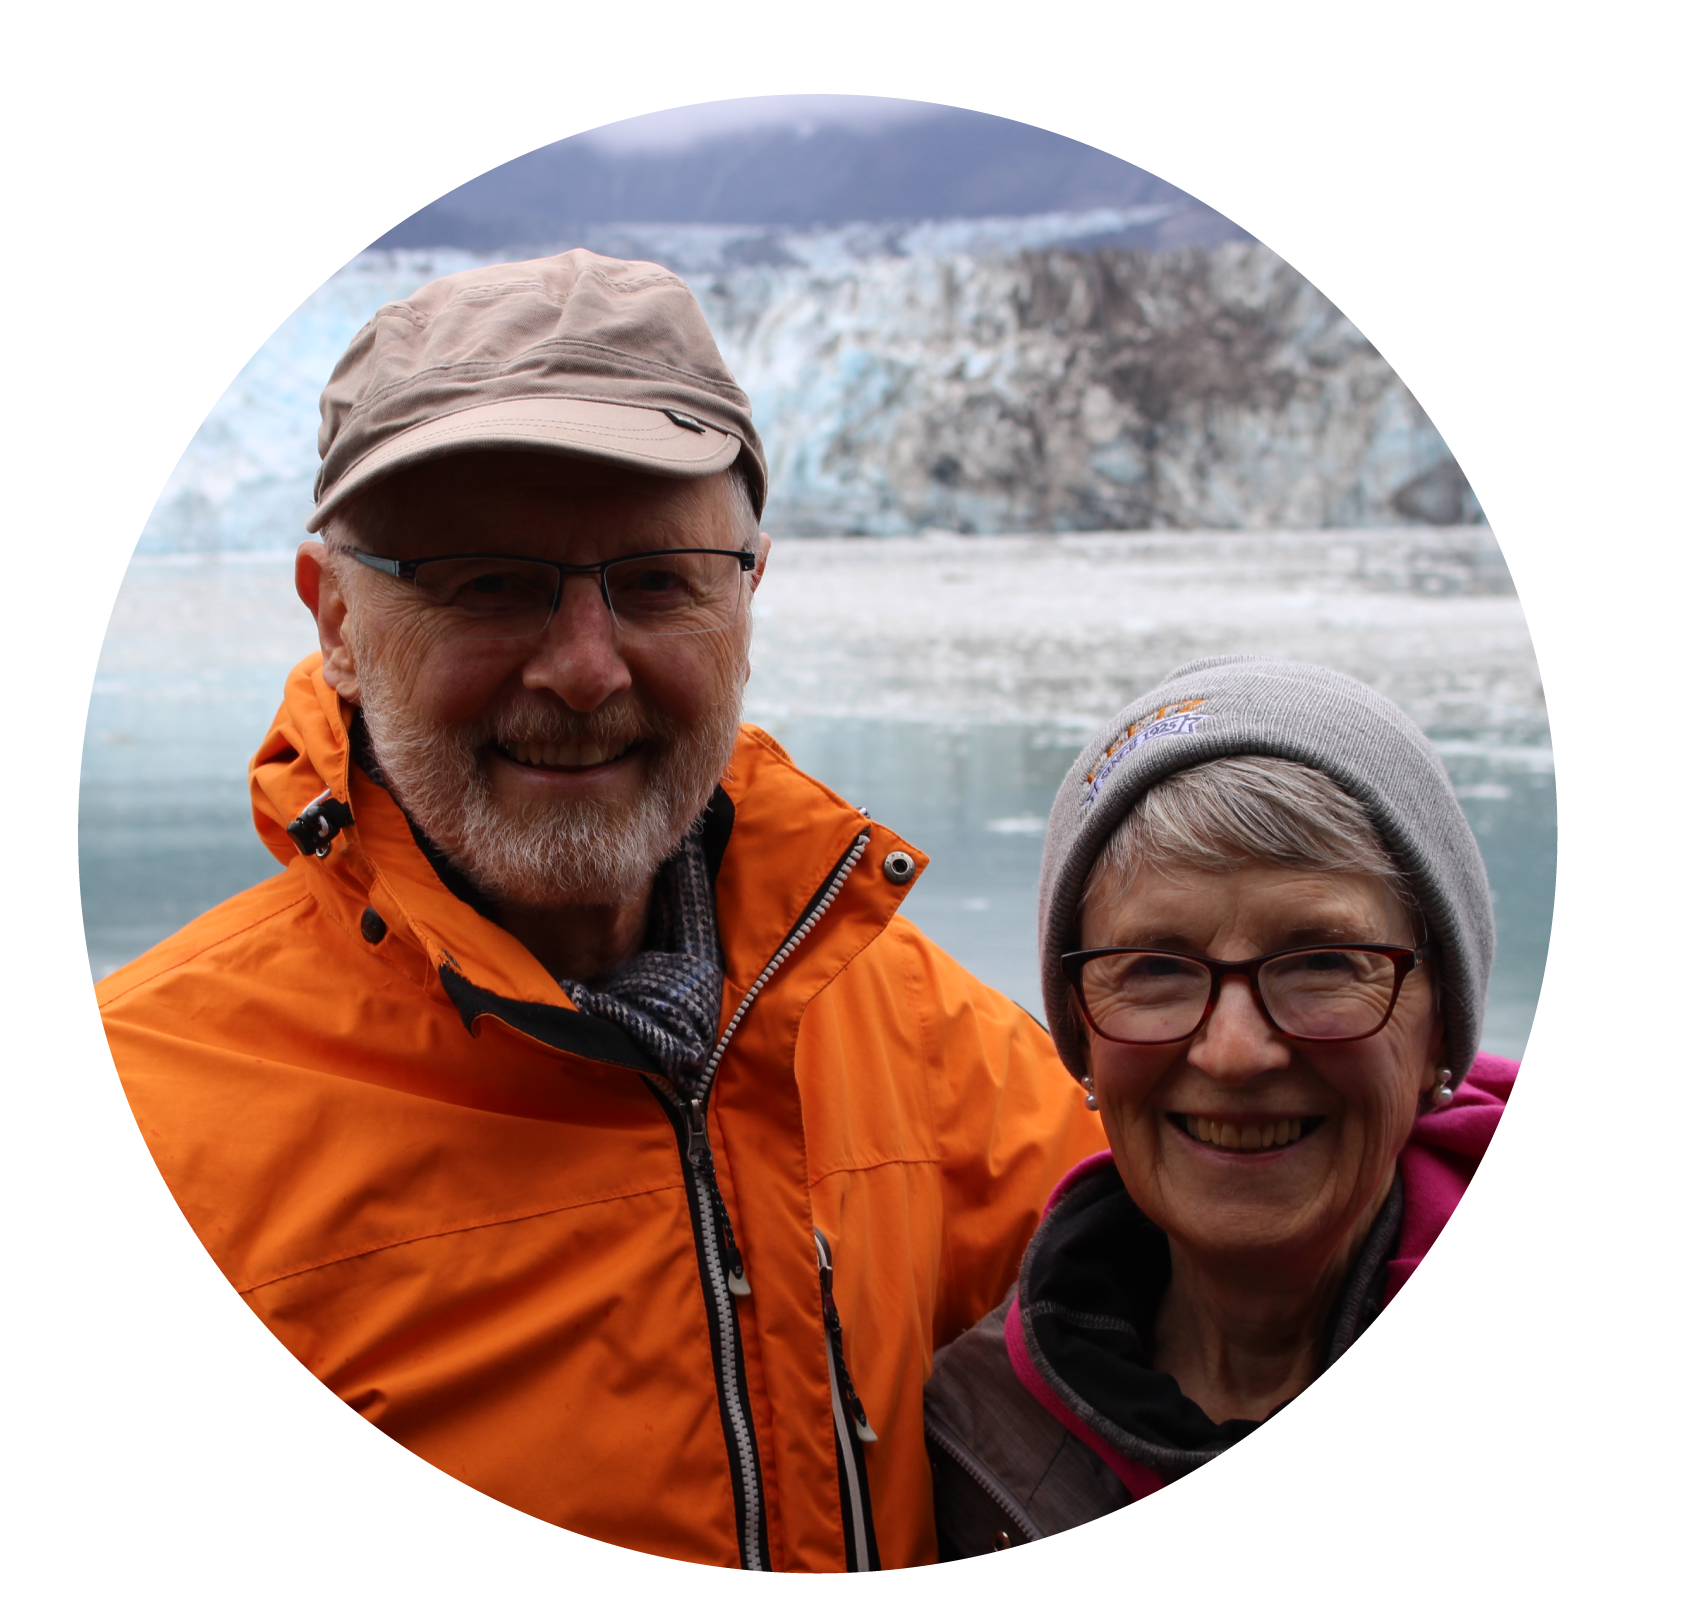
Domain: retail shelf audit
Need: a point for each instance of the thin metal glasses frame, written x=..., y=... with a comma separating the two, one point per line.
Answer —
x=1405, y=961
x=406, y=568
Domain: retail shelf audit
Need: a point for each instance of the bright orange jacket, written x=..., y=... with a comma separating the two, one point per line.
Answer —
x=468, y=1209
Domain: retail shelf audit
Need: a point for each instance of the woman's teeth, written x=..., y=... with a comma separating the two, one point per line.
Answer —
x=1231, y=1135
x=562, y=755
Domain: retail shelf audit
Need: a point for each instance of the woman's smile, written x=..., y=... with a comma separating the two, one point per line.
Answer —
x=1245, y=1136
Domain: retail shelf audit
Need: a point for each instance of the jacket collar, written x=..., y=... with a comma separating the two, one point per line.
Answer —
x=1096, y=1253
x=1079, y=1332
x=787, y=836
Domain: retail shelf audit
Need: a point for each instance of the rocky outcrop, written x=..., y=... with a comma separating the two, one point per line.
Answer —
x=1075, y=390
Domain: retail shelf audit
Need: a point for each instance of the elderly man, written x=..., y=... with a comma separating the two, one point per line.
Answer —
x=576, y=1104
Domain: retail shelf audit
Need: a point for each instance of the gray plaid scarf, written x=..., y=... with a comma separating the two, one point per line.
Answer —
x=667, y=997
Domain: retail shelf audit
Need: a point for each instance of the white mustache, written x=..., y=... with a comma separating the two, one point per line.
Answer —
x=619, y=727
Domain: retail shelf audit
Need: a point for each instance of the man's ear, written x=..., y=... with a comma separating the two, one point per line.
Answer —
x=317, y=585
x=761, y=551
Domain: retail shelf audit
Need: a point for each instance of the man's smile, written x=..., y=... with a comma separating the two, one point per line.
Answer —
x=566, y=755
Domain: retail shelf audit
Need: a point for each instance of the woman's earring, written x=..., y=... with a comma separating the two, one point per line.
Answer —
x=1091, y=1093
x=1442, y=1096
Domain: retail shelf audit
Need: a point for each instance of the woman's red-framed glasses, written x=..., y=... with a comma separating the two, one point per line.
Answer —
x=1327, y=993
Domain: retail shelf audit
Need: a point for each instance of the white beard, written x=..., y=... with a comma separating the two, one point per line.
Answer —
x=592, y=852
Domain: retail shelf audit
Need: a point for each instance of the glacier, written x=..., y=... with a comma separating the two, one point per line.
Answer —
x=979, y=376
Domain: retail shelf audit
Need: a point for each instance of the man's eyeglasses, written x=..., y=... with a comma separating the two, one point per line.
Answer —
x=684, y=591
x=1317, y=995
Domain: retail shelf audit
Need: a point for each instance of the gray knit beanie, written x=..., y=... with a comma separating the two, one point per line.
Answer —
x=1215, y=708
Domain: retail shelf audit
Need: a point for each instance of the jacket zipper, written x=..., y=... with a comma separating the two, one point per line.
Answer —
x=974, y=1469
x=853, y=1432
x=721, y=1279
x=723, y=1276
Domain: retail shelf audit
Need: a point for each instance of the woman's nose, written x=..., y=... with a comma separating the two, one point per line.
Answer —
x=1238, y=1041
x=579, y=654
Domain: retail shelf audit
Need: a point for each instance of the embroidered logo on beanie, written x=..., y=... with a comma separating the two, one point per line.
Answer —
x=1171, y=720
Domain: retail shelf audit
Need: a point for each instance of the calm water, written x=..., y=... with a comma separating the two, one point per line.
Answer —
x=158, y=849
x=198, y=648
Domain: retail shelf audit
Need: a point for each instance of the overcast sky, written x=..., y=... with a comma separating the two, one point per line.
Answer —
x=615, y=120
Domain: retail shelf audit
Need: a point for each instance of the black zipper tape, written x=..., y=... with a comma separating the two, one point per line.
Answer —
x=735, y=1409
x=853, y=1432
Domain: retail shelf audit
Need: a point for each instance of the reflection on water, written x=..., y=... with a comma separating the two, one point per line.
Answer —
x=945, y=685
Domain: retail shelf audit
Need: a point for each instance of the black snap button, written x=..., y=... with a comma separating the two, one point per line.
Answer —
x=898, y=867
x=1003, y=1541
x=373, y=927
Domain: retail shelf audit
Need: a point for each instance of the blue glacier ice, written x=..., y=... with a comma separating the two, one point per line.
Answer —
x=963, y=374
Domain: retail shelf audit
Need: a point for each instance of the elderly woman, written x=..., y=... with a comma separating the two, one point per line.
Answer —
x=1266, y=935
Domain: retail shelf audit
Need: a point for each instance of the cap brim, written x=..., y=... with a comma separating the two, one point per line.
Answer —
x=639, y=438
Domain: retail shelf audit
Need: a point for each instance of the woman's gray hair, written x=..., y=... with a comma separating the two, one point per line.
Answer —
x=1248, y=809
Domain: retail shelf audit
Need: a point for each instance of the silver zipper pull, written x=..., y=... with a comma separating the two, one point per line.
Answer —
x=700, y=1152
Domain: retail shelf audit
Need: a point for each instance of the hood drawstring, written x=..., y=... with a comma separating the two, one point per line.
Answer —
x=313, y=830
x=842, y=1380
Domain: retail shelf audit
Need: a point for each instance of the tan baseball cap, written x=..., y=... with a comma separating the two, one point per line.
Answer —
x=578, y=353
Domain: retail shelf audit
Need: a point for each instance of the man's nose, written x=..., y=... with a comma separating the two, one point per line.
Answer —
x=579, y=654
x=1237, y=1041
